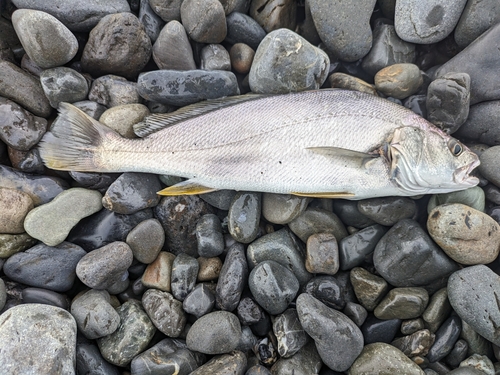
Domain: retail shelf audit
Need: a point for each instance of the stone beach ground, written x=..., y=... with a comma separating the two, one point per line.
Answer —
x=99, y=275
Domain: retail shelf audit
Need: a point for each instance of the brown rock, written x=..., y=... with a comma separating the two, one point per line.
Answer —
x=369, y=288
x=204, y=20
x=15, y=206
x=348, y=82
x=157, y=274
x=322, y=254
x=241, y=57
x=399, y=80
x=209, y=268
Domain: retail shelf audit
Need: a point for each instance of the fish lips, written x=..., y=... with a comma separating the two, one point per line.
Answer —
x=462, y=175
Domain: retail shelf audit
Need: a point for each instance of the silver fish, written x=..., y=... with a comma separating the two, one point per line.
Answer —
x=325, y=143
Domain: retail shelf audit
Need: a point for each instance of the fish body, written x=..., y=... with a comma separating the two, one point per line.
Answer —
x=325, y=143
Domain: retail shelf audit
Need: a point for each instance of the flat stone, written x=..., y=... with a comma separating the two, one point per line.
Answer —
x=172, y=49
x=487, y=168
x=402, y=303
x=473, y=197
x=215, y=333
x=44, y=332
x=242, y=28
x=244, y=216
x=369, y=288
x=15, y=206
x=274, y=14
x=477, y=17
x=357, y=248
x=165, y=312
x=338, y=340
x=122, y=118
x=388, y=210
x=437, y=310
x=11, y=244
x=322, y=254
x=112, y=91
x=52, y=222
x=215, y=57
x=286, y=62
x=205, y=21
x=466, y=235
x=146, y=240
x=46, y=297
x=399, y=80
x=226, y=364
x=317, y=220
x=232, y=278
x=158, y=273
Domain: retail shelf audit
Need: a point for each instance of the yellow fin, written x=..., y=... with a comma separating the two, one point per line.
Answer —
x=185, y=188
x=325, y=195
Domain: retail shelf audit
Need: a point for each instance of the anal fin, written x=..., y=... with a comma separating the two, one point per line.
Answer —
x=344, y=195
x=187, y=187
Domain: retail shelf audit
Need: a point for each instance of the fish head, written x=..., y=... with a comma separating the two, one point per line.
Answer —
x=425, y=160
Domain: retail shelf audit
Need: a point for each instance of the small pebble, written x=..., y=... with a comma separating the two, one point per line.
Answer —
x=89, y=360
x=111, y=91
x=3, y=294
x=15, y=206
x=167, y=10
x=63, y=85
x=209, y=236
x=244, y=216
x=172, y=49
x=183, y=277
x=369, y=288
x=220, y=199
x=328, y=290
x=305, y=361
x=416, y=344
x=289, y=333
x=146, y=240
x=205, y=21
x=158, y=273
x=355, y=312
x=200, y=301
x=438, y=310
x=232, y=278
x=241, y=57
x=241, y=28
x=322, y=254
x=209, y=268
x=359, y=246
x=282, y=208
x=402, y=303
x=214, y=57
x=164, y=311
x=317, y=220
x=378, y=330
x=151, y=21
x=458, y=353
x=248, y=311
x=122, y=118
x=446, y=336
x=399, y=80
x=412, y=325
x=477, y=17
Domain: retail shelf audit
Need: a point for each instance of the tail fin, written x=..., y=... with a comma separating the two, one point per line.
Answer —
x=74, y=141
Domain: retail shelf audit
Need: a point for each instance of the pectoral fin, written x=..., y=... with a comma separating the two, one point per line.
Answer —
x=344, y=195
x=187, y=187
x=339, y=151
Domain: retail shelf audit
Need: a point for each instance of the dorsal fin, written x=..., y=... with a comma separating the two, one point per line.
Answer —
x=161, y=121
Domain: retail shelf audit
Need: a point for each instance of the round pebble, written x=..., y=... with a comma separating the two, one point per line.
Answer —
x=205, y=21
x=232, y=278
x=122, y=118
x=317, y=220
x=244, y=216
x=172, y=49
x=209, y=236
x=241, y=57
x=369, y=288
x=199, y=301
x=46, y=297
x=15, y=206
x=282, y=208
x=184, y=274
x=399, y=80
x=242, y=28
x=146, y=240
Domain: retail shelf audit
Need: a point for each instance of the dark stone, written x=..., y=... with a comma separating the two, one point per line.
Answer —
x=446, y=337
x=378, y=330
x=248, y=311
x=90, y=361
x=244, y=216
x=356, y=313
x=151, y=21
x=243, y=29
x=232, y=278
x=205, y=21
x=457, y=354
x=157, y=361
x=146, y=240
x=417, y=103
x=111, y=91
x=369, y=288
x=357, y=248
x=481, y=125
x=477, y=17
x=317, y=220
x=183, y=277
x=416, y=344
x=209, y=236
x=215, y=57
x=200, y=301
x=45, y=296
x=348, y=212
x=327, y=290
x=388, y=210
x=95, y=181
x=289, y=333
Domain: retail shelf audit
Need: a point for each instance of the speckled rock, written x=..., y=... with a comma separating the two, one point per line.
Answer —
x=418, y=343
x=473, y=197
x=402, y=303
x=274, y=14
x=151, y=21
x=11, y=244
x=164, y=311
x=112, y=91
x=172, y=49
x=63, y=85
x=15, y=206
x=306, y=361
x=122, y=118
x=244, y=216
x=205, y=21
x=226, y=364
x=399, y=80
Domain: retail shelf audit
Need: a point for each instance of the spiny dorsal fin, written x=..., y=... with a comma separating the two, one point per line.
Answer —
x=161, y=121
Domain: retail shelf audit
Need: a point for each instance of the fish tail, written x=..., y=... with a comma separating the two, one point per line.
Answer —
x=75, y=141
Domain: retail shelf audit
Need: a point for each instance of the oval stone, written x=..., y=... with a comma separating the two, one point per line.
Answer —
x=15, y=206
x=402, y=303
x=164, y=311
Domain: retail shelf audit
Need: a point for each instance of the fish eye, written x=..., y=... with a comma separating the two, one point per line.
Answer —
x=455, y=147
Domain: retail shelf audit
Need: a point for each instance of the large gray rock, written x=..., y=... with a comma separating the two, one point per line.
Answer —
x=63, y=85
x=477, y=17
x=481, y=125
x=205, y=21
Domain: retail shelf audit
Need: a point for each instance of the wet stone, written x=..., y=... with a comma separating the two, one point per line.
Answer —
x=103, y=267
x=355, y=312
x=164, y=311
x=477, y=17
x=399, y=80
x=215, y=333
x=322, y=254
x=488, y=168
x=289, y=333
x=122, y=118
x=118, y=45
x=151, y=21
x=232, y=278
x=132, y=336
x=242, y=28
x=380, y=358
x=220, y=199
x=466, y=235
x=473, y=197
x=446, y=336
x=94, y=315
x=338, y=340
x=479, y=362
x=279, y=67
x=457, y=354
x=402, y=303
x=214, y=57
x=248, y=311
x=481, y=123
x=244, y=216
x=327, y=290
x=317, y=220
x=356, y=248
x=349, y=214
x=90, y=361
x=172, y=49
x=348, y=82
x=412, y=325
x=155, y=361
x=146, y=240
x=438, y=310
x=282, y=247
x=46, y=267
x=209, y=236
x=416, y=344
x=44, y=296
x=183, y=277
x=226, y=364
x=15, y=206
x=48, y=334
x=11, y=244
x=209, y=269
x=52, y=222
x=282, y=208
x=389, y=210
x=200, y=301
x=305, y=361
x=205, y=21
x=182, y=88
x=369, y=288
x=158, y=273
x=378, y=330
x=111, y=91
x=274, y=14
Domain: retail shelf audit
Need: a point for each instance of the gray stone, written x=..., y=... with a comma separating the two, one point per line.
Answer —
x=437, y=310
x=118, y=45
x=477, y=17
x=165, y=312
x=431, y=21
x=446, y=336
x=380, y=358
x=279, y=66
x=44, y=332
x=322, y=254
x=248, y=339
x=146, y=240
x=473, y=197
x=151, y=21
x=226, y=364
x=157, y=273
x=157, y=360
x=317, y=220
x=338, y=340
x=11, y=244
x=478, y=307
x=489, y=167
x=402, y=303
x=355, y=312
x=172, y=49
x=3, y=294
x=94, y=315
x=481, y=123
x=168, y=10
x=220, y=199
x=103, y=267
x=274, y=14
x=357, y=248
x=475, y=342
x=369, y=288
x=215, y=57
x=200, y=301
x=417, y=103
x=273, y=286
x=79, y=16
x=282, y=208
x=416, y=344
x=47, y=267
x=289, y=333
x=242, y=28
x=349, y=214
x=24, y=89
x=183, y=278
x=458, y=353
x=232, y=279
x=388, y=210
x=244, y=216
x=132, y=336
x=215, y=333
x=205, y=21
x=348, y=82
x=479, y=362
x=52, y=222
x=112, y=91
x=209, y=236
x=16, y=205
x=399, y=80
x=122, y=118
x=46, y=297
x=305, y=362
x=181, y=88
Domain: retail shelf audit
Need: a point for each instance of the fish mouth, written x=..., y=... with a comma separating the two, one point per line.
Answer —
x=462, y=175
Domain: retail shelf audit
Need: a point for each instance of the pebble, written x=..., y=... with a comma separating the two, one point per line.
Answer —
x=79, y=17
x=205, y=21
x=159, y=361
x=476, y=60
x=273, y=286
x=44, y=296
x=248, y=311
x=118, y=45
x=44, y=266
x=132, y=336
x=488, y=167
x=479, y=362
x=214, y=57
x=45, y=39
x=448, y=100
x=402, y=303
x=388, y=210
x=178, y=215
x=344, y=27
x=165, y=312
x=476, y=342
x=369, y=288
x=200, y=301
x=388, y=49
x=220, y=199
x=90, y=361
x=476, y=305
x=289, y=333
x=328, y=290
x=446, y=336
x=226, y=364
x=241, y=56
x=466, y=235
x=477, y=17
x=242, y=28
x=458, y=353
x=209, y=269
x=44, y=332
x=52, y=222
x=103, y=267
x=282, y=247
x=112, y=91
x=15, y=206
x=348, y=82
x=305, y=361
x=94, y=315
x=244, y=216
x=282, y=208
x=215, y=333
x=178, y=88
x=377, y=330
x=172, y=49
x=322, y=254
x=122, y=118
x=407, y=256
x=358, y=247
x=274, y=14
x=473, y=197
x=167, y=10
x=232, y=278
x=380, y=358
x=355, y=312
x=286, y=62
x=3, y=294
x=338, y=340
x=480, y=124
x=437, y=310
x=146, y=240
x=399, y=80
x=24, y=89
x=416, y=344
x=11, y=244
x=183, y=277
x=158, y=273
x=209, y=236
x=317, y=220
x=151, y=21
x=349, y=214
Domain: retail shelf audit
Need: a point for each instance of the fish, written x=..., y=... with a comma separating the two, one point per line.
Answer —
x=328, y=143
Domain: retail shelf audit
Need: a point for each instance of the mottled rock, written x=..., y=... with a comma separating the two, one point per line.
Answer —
x=122, y=118
x=15, y=206
x=205, y=21
x=226, y=364
x=322, y=254
x=479, y=362
x=402, y=303
x=11, y=244
x=417, y=343
x=369, y=288
x=317, y=220
x=183, y=278
x=274, y=14
x=112, y=91
x=151, y=21
x=232, y=278
x=215, y=57
x=164, y=311
x=158, y=274
x=289, y=333
x=244, y=216
x=90, y=361
x=305, y=361
x=172, y=49
x=399, y=80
